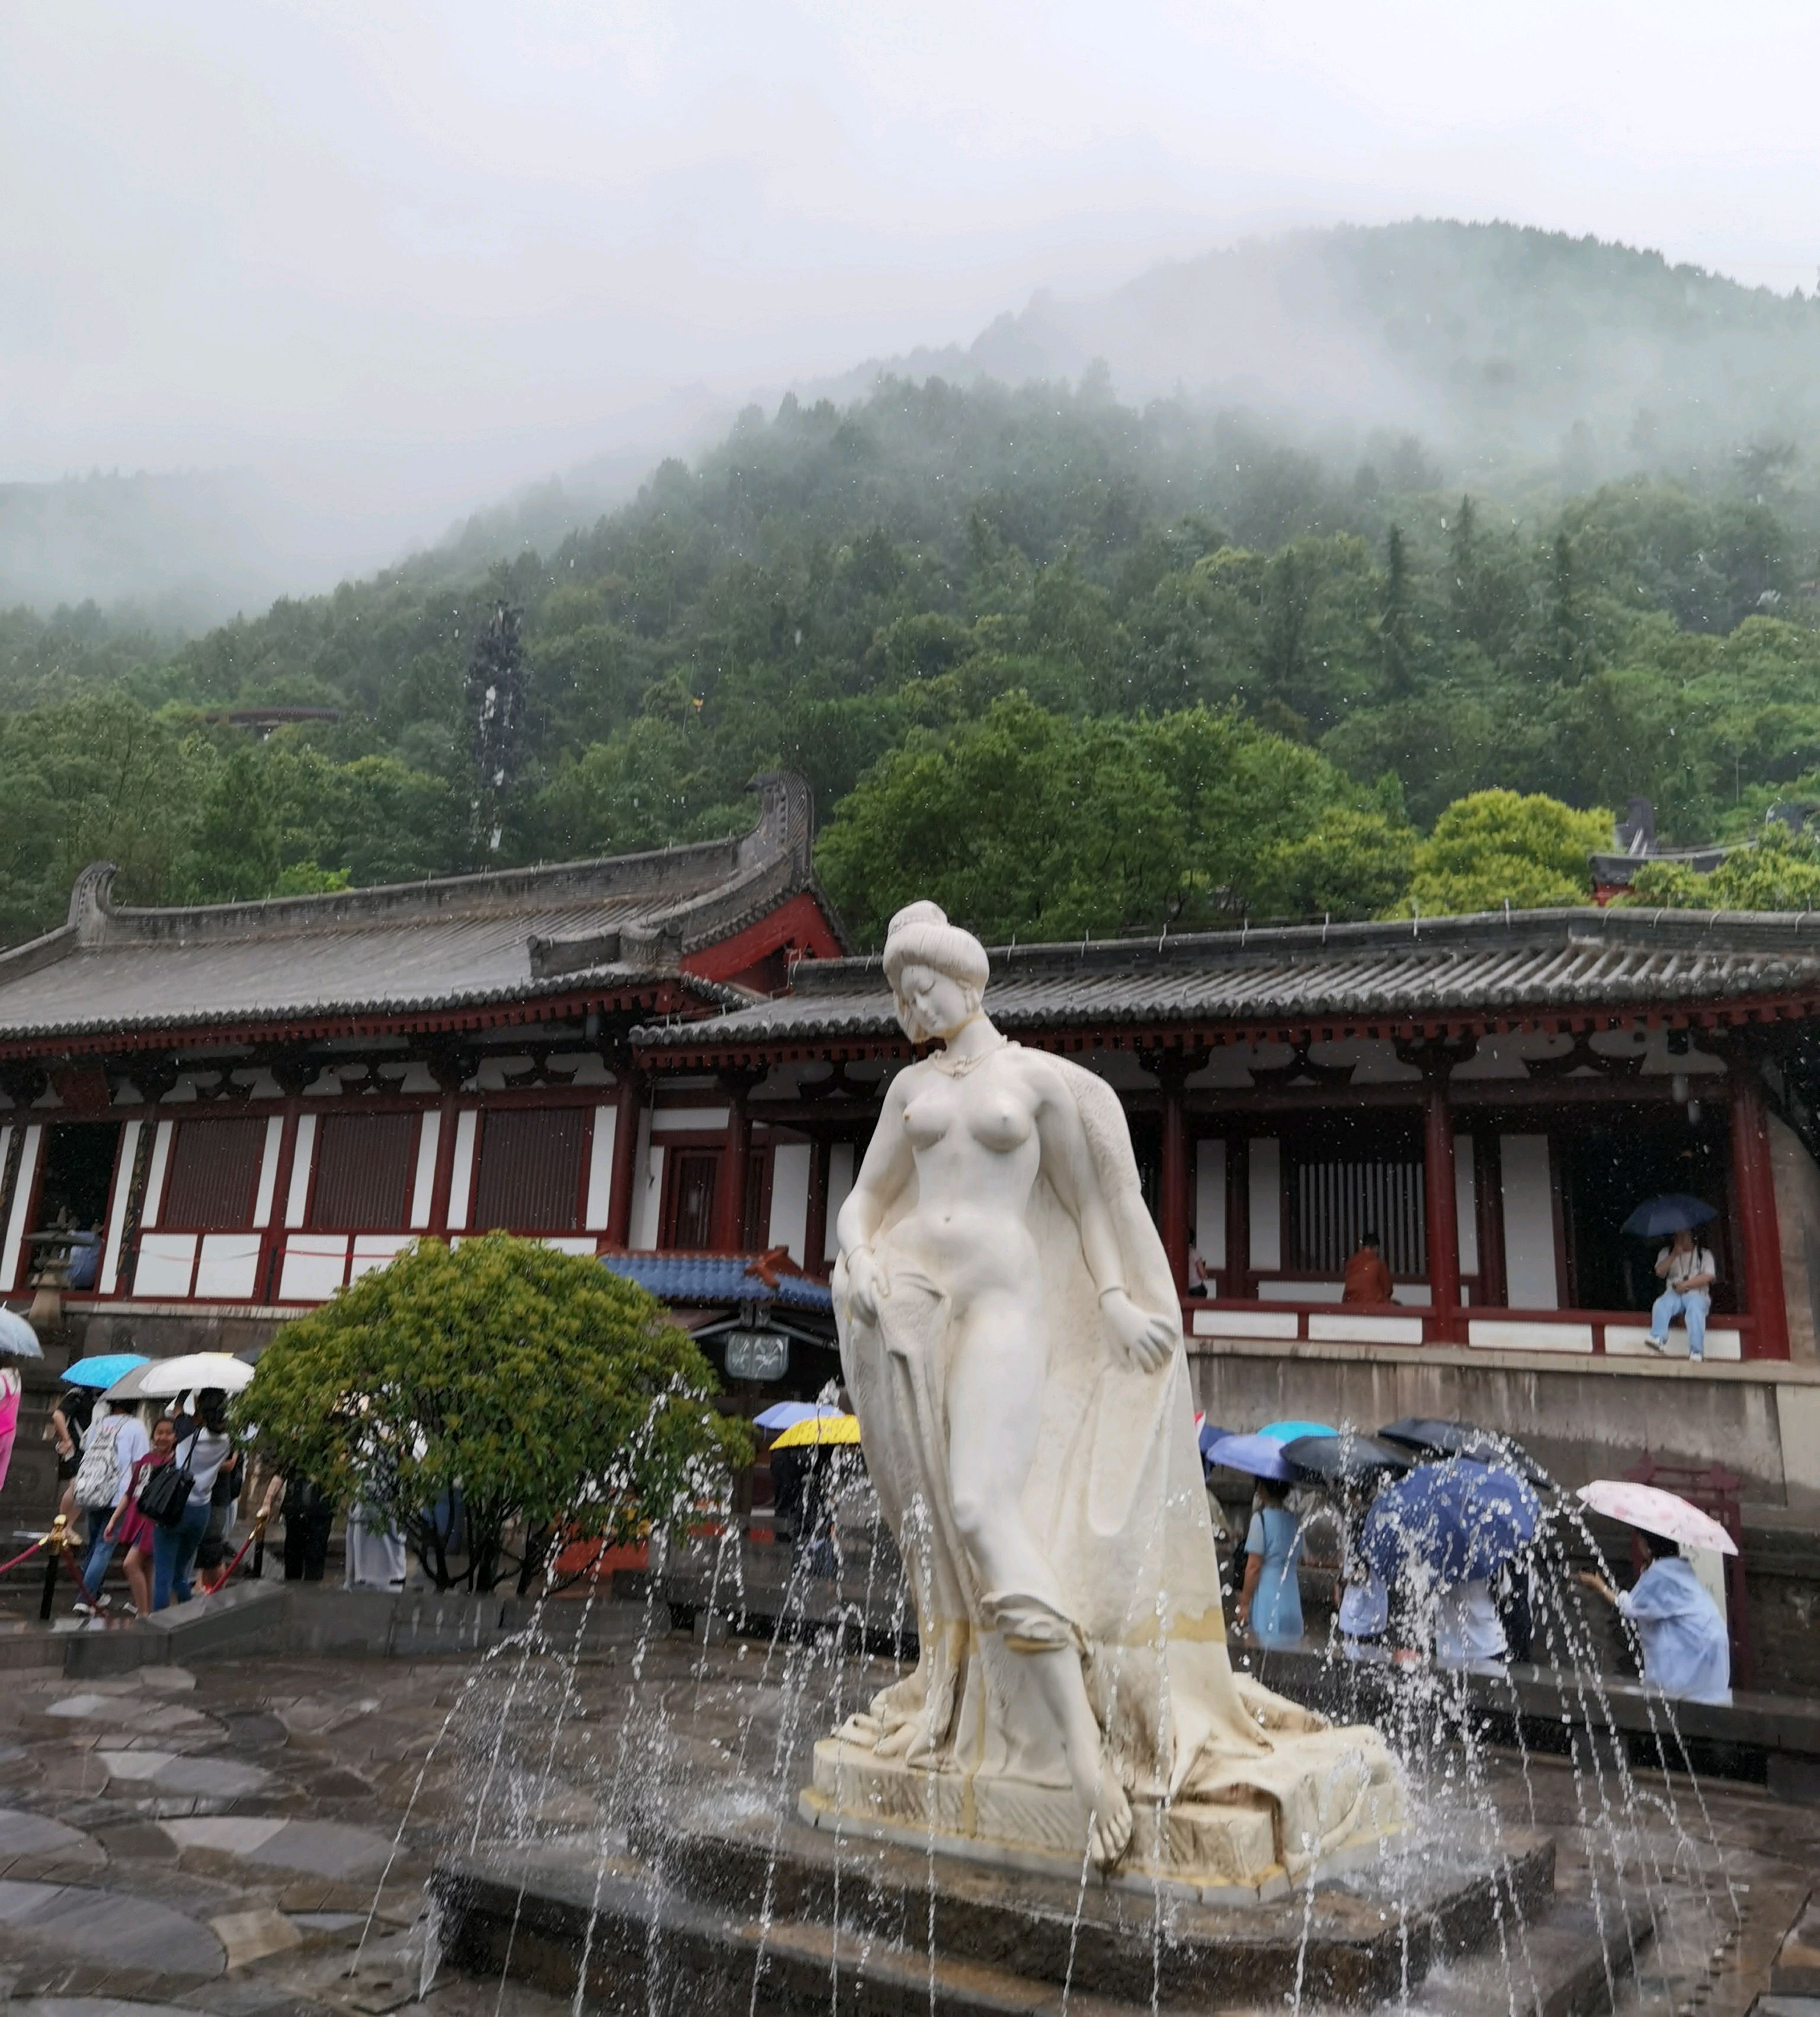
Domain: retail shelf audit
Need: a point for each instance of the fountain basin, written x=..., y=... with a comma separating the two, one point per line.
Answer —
x=718, y=1916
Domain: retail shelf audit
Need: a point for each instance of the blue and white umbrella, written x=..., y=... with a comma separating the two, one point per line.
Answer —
x=1459, y=1521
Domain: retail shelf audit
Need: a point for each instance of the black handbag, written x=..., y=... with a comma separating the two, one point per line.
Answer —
x=164, y=1497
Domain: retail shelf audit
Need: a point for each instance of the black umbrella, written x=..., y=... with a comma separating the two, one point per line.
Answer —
x=1345, y=1459
x=1674, y=1211
x=1462, y=1439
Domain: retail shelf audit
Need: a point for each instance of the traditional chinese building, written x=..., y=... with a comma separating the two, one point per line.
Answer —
x=667, y=1057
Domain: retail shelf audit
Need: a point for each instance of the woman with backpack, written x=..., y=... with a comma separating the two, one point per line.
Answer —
x=180, y=1510
x=114, y=1444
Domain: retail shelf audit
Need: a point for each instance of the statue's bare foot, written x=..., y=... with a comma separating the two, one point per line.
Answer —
x=910, y=1740
x=1110, y=1834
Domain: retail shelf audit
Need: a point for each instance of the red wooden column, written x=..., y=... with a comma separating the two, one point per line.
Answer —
x=1759, y=1238
x=729, y=1193
x=815, y=1231
x=1443, y=1217
x=629, y=1104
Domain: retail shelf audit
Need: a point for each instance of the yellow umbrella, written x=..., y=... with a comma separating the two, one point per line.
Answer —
x=820, y=1429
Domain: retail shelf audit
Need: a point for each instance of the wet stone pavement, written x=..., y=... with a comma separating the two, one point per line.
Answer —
x=252, y=1837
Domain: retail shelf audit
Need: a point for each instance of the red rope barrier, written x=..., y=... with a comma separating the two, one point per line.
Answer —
x=44, y=1540
x=209, y=1589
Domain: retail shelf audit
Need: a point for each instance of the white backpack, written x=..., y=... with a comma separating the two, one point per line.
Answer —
x=98, y=1474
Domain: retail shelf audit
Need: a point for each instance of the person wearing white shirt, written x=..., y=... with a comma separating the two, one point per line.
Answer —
x=1689, y=1270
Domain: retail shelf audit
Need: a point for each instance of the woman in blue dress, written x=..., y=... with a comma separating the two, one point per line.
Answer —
x=1270, y=1602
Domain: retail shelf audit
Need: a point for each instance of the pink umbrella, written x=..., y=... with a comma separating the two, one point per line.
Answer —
x=1656, y=1512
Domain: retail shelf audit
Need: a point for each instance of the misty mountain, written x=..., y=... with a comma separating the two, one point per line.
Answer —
x=1509, y=351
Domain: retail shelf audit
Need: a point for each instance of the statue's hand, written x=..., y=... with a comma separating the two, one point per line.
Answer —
x=867, y=1284
x=1148, y=1342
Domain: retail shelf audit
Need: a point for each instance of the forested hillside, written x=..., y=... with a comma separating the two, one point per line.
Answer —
x=1165, y=667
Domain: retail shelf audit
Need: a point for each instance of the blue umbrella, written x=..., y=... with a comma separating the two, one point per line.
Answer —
x=1210, y=1433
x=787, y=1414
x=1262, y=1456
x=1674, y=1211
x=103, y=1372
x=1288, y=1432
x=1461, y=1520
x=18, y=1337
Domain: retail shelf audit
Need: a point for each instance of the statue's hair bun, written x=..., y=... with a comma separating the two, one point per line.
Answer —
x=920, y=935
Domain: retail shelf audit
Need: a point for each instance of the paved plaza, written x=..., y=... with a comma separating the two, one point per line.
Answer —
x=253, y=1835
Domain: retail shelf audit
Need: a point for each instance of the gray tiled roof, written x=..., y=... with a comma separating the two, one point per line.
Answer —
x=462, y=941
x=1539, y=960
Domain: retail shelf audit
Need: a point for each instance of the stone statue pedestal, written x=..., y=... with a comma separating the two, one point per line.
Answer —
x=1217, y=1850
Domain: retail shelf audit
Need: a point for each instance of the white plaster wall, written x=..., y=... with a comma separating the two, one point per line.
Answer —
x=1210, y=1202
x=789, y=1175
x=1529, y=1223
x=1267, y=1203
x=1466, y=1203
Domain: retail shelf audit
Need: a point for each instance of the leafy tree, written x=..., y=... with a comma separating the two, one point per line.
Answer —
x=1025, y=823
x=1499, y=847
x=1355, y=863
x=555, y=1397
x=1777, y=870
x=233, y=854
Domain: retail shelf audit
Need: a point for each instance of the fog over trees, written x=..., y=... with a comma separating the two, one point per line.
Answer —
x=1269, y=561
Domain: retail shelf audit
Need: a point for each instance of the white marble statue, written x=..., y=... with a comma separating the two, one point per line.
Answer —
x=1011, y=1338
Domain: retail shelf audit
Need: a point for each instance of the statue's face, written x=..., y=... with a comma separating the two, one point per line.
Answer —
x=930, y=1004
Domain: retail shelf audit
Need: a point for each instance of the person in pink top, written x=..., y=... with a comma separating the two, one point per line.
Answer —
x=130, y=1526
x=10, y=1387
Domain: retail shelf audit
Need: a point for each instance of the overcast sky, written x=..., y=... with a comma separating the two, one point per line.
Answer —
x=459, y=237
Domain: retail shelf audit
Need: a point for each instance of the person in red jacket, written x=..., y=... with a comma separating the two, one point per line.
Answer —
x=1367, y=1278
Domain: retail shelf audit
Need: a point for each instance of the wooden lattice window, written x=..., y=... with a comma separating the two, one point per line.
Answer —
x=213, y=1176
x=365, y=1165
x=530, y=1176
x=1334, y=1200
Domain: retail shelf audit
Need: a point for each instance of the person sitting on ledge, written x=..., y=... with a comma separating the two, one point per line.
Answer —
x=1367, y=1280
x=1685, y=1652
x=1690, y=1271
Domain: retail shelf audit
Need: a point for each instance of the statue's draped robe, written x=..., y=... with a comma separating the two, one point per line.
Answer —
x=1115, y=1499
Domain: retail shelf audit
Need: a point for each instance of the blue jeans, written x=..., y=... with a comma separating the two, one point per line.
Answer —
x=1672, y=1304
x=100, y=1554
x=173, y=1554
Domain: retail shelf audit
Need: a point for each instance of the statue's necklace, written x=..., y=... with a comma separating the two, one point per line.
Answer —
x=961, y=1066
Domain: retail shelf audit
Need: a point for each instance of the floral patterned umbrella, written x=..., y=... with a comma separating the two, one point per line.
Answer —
x=1656, y=1512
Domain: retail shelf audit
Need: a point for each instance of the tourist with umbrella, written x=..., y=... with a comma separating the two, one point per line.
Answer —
x=1684, y=1265
x=1444, y=1532
x=1270, y=1601
x=1685, y=1651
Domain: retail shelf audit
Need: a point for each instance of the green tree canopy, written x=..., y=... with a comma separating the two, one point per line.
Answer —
x=555, y=1397
x=1495, y=848
x=1777, y=870
x=1026, y=822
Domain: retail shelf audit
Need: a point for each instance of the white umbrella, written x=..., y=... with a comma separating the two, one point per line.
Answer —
x=193, y=1371
x=1656, y=1512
